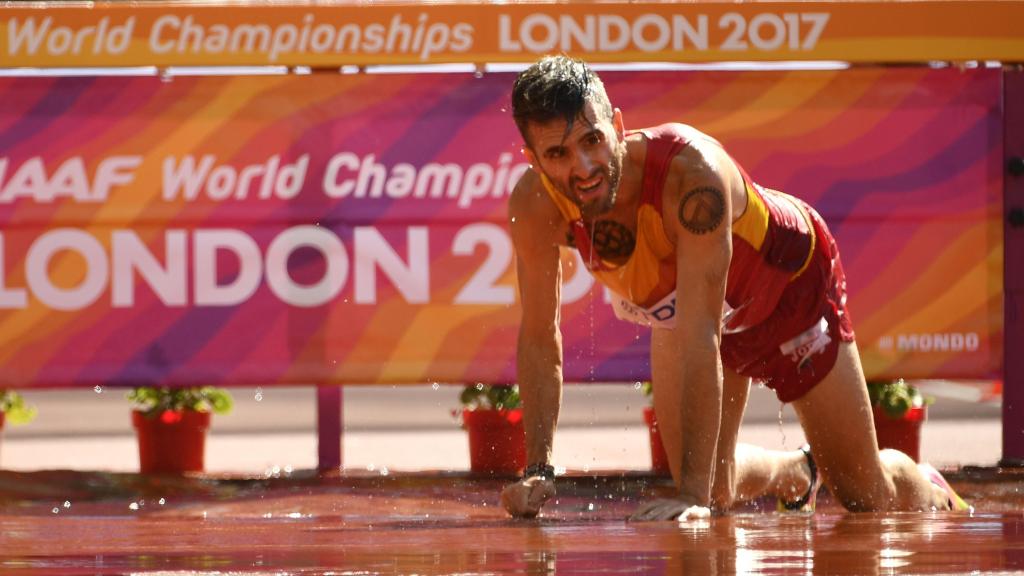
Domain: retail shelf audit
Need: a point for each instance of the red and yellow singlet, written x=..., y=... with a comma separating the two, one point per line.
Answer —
x=772, y=244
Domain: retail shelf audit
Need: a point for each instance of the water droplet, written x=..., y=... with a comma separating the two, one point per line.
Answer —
x=513, y=219
x=98, y=389
x=479, y=385
x=782, y=431
x=638, y=385
x=56, y=510
x=67, y=504
x=133, y=506
x=161, y=501
x=435, y=385
x=259, y=394
x=590, y=506
x=478, y=73
x=383, y=470
x=371, y=467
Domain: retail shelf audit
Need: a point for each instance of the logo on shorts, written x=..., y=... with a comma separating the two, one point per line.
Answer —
x=807, y=344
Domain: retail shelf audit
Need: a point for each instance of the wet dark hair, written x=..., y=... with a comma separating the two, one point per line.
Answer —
x=556, y=87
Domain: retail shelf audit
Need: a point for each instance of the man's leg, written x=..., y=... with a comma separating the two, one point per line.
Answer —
x=836, y=418
x=745, y=472
x=742, y=471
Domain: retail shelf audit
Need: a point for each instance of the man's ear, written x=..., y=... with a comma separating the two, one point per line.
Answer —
x=531, y=158
x=620, y=127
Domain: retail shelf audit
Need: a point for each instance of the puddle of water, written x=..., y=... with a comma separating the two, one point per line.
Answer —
x=449, y=524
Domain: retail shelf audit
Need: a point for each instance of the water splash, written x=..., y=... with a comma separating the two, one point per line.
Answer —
x=782, y=430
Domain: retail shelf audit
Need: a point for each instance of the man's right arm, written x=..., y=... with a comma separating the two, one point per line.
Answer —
x=534, y=224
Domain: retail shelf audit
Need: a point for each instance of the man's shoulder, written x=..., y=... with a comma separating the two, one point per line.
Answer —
x=529, y=197
x=673, y=130
x=533, y=216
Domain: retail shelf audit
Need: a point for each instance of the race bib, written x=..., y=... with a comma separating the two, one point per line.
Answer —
x=660, y=315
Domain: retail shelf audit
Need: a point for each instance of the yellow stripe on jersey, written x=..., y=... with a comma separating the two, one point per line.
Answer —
x=752, y=226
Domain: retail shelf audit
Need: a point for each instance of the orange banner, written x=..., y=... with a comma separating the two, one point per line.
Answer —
x=177, y=34
x=353, y=228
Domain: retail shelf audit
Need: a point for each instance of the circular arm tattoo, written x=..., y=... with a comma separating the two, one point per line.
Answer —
x=702, y=209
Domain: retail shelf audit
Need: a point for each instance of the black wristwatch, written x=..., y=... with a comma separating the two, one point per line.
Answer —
x=546, y=471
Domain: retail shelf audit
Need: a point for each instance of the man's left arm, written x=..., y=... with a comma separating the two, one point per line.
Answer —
x=703, y=251
x=697, y=214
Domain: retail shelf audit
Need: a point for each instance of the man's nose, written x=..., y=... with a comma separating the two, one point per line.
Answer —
x=584, y=165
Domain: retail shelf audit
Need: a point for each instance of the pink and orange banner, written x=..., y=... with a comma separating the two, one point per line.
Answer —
x=48, y=34
x=351, y=228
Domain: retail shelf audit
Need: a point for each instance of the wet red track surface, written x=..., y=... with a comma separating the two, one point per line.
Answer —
x=95, y=523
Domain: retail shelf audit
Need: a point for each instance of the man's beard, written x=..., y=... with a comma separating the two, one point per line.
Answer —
x=602, y=206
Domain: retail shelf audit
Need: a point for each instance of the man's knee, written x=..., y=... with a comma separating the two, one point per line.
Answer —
x=861, y=493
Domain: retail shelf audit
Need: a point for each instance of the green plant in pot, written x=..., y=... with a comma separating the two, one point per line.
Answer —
x=899, y=410
x=497, y=439
x=171, y=425
x=14, y=410
x=659, y=459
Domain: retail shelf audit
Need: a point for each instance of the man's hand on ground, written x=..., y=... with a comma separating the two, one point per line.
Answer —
x=671, y=509
x=524, y=498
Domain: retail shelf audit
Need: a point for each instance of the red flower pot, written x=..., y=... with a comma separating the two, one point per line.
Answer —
x=659, y=459
x=171, y=442
x=497, y=441
x=903, y=434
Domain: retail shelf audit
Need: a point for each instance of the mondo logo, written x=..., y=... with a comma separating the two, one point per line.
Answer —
x=936, y=342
